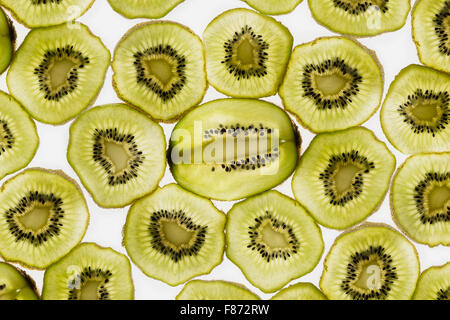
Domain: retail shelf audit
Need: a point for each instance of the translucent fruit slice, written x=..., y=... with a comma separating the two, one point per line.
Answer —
x=343, y=176
x=246, y=53
x=16, y=284
x=174, y=235
x=434, y=284
x=7, y=41
x=273, y=240
x=151, y=9
x=332, y=84
x=273, y=7
x=416, y=111
x=215, y=290
x=300, y=291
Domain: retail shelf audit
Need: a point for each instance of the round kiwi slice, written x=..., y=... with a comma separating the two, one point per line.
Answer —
x=16, y=284
x=343, y=176
x=230, y=149
x=160, y=68
x=300, y=291
x=434, y=284
x=361, y=17
x=246, y=53
x=273, y=7
x=43, y=215
x=174, y=235
x=372, y=262
x=273, y=240
x=89, y=272
x=7, y=41
x=416, y=111
x=420, y=198
x=18, y=136
x=332, y=84
x=431, y=32
x=118, y=153
x=151, y=9
x=215, y=290
x=58, y=71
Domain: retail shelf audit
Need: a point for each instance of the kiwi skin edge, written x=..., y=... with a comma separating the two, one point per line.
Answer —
x=12, y=37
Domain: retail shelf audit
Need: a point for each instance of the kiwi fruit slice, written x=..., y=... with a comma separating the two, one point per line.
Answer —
x=118, y=153
x=343, y=176
x=174, y=235
x=273, y=240
x=300, y=291
x=420, y=198
x=151, y=9
x=43, y=215
x=7, y=41
x=431, y=33
x=16, y=284
x=230, y=149
x=371, y=262
x=18, y=136
x=44, y=13
x=246, y=53
x=434, y=284
x=58, y=71
x=160, y=68
x=273, y=7
x=416, y=111
x=332, y=84
x=361, y=17
x=215, y=290
x=89, y=272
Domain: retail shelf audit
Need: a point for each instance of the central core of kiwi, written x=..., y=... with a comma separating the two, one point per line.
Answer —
x=175, y=234
x=89, y=290
x=59, y=71
x=439, y=198
x=118, y=154
x=426, y=111
x=36, y=217
x=90, y=284
x=344, y=177
x=370, y=276
x=246, y=53
x=163, y=70
x=274, y=238
x=332, y=84
x=432, y=197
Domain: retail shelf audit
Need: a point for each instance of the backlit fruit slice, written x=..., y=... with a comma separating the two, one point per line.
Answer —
x=18, y=136
x=273, y=7
x=89, y=272
x=118, y=153
x=372, y=262
x=300, y=291
x=7, y=41
x=416, y=111
x=332, y=84
x=174, y=235
x=151, y=9
x=230, y=149
x=361, y=17
x=246, y=53
x=434, y=284
x=420, y=198
x=215, y=290
x=58, y=71
x=273, y=240
x=343, y=176
x=16, y=284
x=431, y=33
x=160, y=68
x=43, y=216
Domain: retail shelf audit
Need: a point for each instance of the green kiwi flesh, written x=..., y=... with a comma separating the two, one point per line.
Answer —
x=273, y=7
x=300, y=291
x=7, y=41
x=16, y=284
x=151, y=9
x=215, y=290
x=434, y=284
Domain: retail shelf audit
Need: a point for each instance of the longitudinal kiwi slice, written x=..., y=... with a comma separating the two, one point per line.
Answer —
x=300, y=291
x=273, y=7
x=152, y=9
x=332, y=84
x=434, y=284
x=16, y=284
x=58, y=71
x=118, y=153
x=343, y=176
x=229, y=149
x=246, y=53
x=174, y=235
x=89, y=272
x=160, y=68
x=372, y=262
x=431, y=32
x=361, y=17
x=415, y=115
x=273, y=240
x=215, y=290
x=43, y=215
x=7, y=41
x=420, y=198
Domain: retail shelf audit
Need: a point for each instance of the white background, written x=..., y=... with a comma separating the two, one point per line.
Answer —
x=395, y=50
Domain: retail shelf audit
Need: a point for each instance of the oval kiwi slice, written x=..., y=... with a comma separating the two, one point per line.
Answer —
x=89, y=272
x=332, y=84
x=174, y=235
x=58, y=71
x=7, y=41
x=160, y=68
x=246, y=53
x=372, y=262
x=16, y=284
x=118, y=153
x=215, y=290
x=343, y=176
x=300, y=291
x=420, y=198
x=434, y=284
x=273, y=240
x=273, y=7
x=416, y=111
x=233, y=148
x=43, y=215
x=151, y=9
